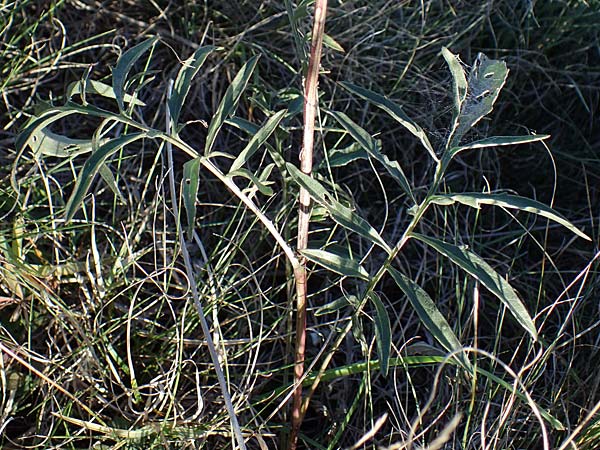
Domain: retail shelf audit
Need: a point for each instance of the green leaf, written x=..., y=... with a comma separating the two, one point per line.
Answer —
x=189, y=189
x=99, y=88
x=497, y=141
x=475, y=266
x=336, y=263
x=383, y=332
x=475, y=200
x=486, y=79
x=331, y=43
x=91, y=168
x=338, y=212
x=182, y=84
x=262, y=187
x=258, y=140
x=124, y=65
x=336, y=305
x=110, y=180
x=229, y=102
x=430, y=315
x=373, y=149
x=45, y=142
x=395, y=111
x=340, y=157
x=459, y=81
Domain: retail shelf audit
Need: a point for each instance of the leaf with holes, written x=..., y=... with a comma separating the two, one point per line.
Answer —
x=336, y=263
x=475, y=200
x=124, y=65
x=229, y=102
x=475, y=266
x=91, y=168
x=182, y=84
x=486, y=79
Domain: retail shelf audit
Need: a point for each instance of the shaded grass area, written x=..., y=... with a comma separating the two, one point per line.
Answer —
x=96, y=323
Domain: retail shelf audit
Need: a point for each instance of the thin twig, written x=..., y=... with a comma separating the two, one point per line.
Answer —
x=237, y=432
x=306, y=162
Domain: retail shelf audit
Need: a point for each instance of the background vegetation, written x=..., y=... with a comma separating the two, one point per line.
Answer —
x=101, y=346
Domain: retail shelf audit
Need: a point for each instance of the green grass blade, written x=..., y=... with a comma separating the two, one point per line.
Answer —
x=91, y=168
x=395, y=111
x=189, y=189
x=430, y=315
x=475, y=200
x=487, y=276
x=182, y=84
x=229, y=102
x=336, y=263
x=497, y=141
x=373, y=148
x=383, y=332
x=124, y=65
x=258, y=140
x=338, y=212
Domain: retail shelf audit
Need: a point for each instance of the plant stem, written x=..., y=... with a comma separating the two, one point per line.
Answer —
x=306, y=162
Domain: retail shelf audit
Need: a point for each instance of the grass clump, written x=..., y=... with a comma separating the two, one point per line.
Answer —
x=451, y=286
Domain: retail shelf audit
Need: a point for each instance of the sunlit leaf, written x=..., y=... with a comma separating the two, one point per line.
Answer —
x=373, y=148
x=331, y=43
x=459, y=81
x=262, y=187
x=475, y=200
x=338, y=212
x=229, y=102
x=475, y=266
x=91, y=168
x=336, y=263
x=182, y=84
x=124, y=65
x=395, y=111
x=99, y=88
x=497, y=141
x=258, y=140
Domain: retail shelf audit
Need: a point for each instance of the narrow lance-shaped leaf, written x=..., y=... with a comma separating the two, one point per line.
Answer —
x=229, y=102
x=475, y=266
x=45, y=142
x=373, y=149
x=395, y=111
x=383, y=333
x=124, y=65
x=497, y=141
x=262, y=187
x=99, y=88
x=182, y=84
x=189, y=185
x=459, y=81
x=475, y=200
x=338, y=212
x=91, y=168
x=257, y=140
x=336, y=263
x=430, y=315
x=111, y=182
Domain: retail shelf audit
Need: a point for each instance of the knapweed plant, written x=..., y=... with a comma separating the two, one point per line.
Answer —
x=122, y=128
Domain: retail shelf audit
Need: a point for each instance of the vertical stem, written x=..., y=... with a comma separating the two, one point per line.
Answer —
x=306, y=162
